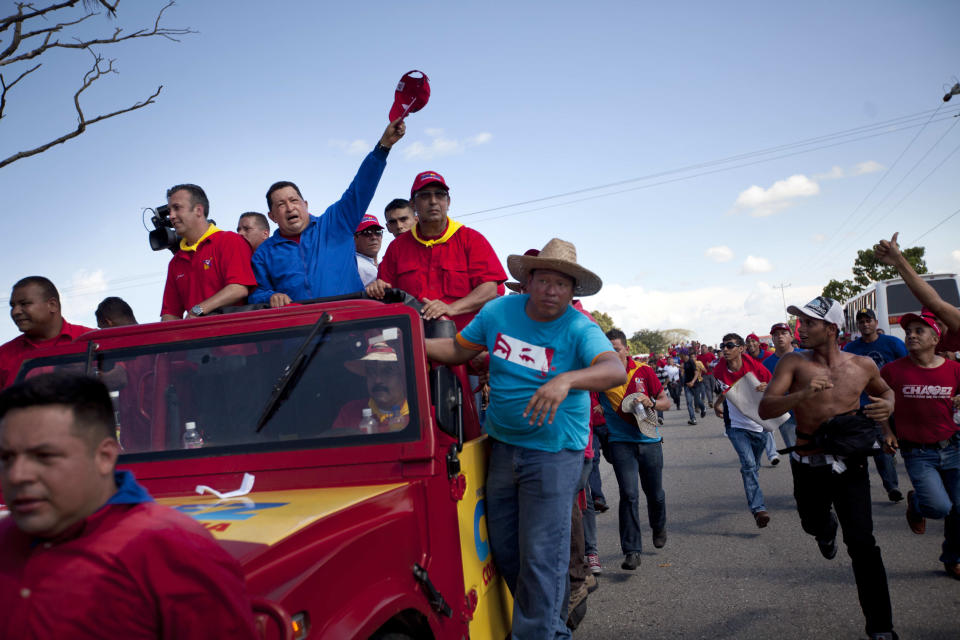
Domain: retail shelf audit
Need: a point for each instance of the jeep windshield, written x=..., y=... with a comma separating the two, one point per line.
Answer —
x=203, y=397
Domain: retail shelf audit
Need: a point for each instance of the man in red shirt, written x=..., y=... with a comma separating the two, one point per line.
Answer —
x=449, y=267
x=35, y=309
x=212, y=268
x=85, y=552
x=926, y=387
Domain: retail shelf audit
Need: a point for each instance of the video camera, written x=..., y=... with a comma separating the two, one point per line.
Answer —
x=163, y=236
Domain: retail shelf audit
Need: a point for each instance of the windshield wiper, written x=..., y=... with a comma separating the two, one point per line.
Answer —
x=292, y=372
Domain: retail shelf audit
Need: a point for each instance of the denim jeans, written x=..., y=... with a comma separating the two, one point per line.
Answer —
x=709, y=384
x=788, y=431
x=770, y=446
x=749, y=446
x=589, y=515
x=816, y=489
x=935, y=475
x=596, y=485
x=529, y=496
x=887, y=468
x=631, y=462
x=694, y=396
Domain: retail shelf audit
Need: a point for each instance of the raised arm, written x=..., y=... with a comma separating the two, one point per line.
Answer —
x=888, y=252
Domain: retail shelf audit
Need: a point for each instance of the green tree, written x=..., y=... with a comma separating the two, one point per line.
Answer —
x=649, y=341
x=604, y=320
x=674, y=336
x=867, y=269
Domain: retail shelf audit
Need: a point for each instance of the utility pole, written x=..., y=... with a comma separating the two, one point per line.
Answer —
x=782, y=286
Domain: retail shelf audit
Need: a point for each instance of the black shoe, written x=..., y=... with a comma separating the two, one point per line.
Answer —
x=631, y=561
x=691, y=422
x=762, y=518
x=660, y=421
x=828, y=549
x=703, y=413
x=660, y=538
x=600, y=506
x=895, y=495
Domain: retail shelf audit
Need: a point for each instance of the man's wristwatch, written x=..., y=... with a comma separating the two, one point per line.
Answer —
x=197, y=310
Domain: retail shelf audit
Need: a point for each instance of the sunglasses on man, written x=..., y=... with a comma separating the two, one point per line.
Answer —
x=730, y=345
x=370, y=233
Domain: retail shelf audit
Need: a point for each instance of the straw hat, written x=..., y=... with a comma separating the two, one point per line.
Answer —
x=514, y=286
x=557, y=255
x=376, y=352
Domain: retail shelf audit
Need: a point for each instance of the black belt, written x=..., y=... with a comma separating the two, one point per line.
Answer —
x=906, y=445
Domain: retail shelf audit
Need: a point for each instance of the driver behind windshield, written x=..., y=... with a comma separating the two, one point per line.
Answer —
x=385, y=383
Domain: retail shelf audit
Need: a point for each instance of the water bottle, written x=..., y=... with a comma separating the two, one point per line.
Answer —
x=368, y=424
x=115, y=401
x=191, y=437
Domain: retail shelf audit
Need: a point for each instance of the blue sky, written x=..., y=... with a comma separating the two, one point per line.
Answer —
x=530, y=100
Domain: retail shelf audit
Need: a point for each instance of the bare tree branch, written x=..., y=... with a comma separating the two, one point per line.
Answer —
x=89, y=78
x=118, y=36
x=6, y=87
x=19, y=16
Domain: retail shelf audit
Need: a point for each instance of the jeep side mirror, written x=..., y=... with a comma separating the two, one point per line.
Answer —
x=448, y=400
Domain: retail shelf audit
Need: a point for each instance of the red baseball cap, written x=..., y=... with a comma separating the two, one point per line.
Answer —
x=412, y=94
x=425, y=178
x=925, y=316
x=368, y=221
x=780, y=326
x=754, y=337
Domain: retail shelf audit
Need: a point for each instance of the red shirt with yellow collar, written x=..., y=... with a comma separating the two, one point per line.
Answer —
x=198, y=271
x=20, y=348
x=446, y=268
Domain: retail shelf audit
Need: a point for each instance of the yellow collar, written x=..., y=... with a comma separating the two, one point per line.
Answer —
x=452, y=227
x=386, y=414
x=212, y=229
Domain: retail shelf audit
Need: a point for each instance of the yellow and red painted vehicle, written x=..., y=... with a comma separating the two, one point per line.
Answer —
x=346, y=533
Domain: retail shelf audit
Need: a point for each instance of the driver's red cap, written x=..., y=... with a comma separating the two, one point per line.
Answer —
x=413, y=92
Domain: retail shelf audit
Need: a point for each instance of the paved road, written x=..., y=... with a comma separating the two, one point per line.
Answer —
x=720, y=577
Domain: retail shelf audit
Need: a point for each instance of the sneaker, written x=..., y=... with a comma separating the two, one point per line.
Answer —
x=774, y=461
x=592, y=583
x=703, y=413
x=952, y=569
x=691, y=422
x=631, y=561
x=918, y=524
x=828, y=549
x=895, y=495
x=660, y=421
x=762, y=518
x=660, y=538
x=593, y=561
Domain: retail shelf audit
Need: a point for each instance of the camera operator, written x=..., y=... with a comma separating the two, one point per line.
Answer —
x=212, y=268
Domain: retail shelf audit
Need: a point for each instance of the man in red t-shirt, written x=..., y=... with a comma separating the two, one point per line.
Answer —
x=449, y=267
x=212, y=268
x=926, y=387
x=35, y=309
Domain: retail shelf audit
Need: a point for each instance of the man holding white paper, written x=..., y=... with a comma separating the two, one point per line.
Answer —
x=746, y=434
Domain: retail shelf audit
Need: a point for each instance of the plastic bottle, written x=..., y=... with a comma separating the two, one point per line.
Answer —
x=191, y=437
x=368, y=424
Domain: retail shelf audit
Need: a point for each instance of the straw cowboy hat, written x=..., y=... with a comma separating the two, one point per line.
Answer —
x=376, y=352
x=557, y=255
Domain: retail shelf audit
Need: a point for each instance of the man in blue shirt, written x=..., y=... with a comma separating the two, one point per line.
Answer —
x=315, y=256
x=545, y=358
x=782, y=339
x=881, y=349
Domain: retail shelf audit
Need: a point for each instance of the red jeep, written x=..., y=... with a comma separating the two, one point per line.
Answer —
x=349, y=531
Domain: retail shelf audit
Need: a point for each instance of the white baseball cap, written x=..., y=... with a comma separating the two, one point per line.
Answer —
x=821, y=308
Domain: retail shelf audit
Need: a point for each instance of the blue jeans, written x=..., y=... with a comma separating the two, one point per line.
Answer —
x=596, y=485
x=709, y=384
x=589, y=515
x=770, y=446
x=749, y=446
x=630, y=462
x=935, y=475
x=887, y=468
x=788, y=431
x=694, y=396
x=529, y=495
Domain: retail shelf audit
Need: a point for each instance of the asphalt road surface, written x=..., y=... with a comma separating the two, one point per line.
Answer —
x=719, y=576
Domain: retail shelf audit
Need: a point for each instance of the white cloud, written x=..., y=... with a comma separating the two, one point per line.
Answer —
x=440, y=146
x=82, y=294
x=870, y=166
x=754, y=264
x=818, y=237
x=781, y=194
x=955, y=254
x=719, y=254
x=835, y=173
x=356, y=147
x=709, y=311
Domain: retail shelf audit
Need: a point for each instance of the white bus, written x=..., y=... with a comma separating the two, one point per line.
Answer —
x=891, y=299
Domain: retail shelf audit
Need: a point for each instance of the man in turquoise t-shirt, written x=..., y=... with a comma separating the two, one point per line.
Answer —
x=545, y=357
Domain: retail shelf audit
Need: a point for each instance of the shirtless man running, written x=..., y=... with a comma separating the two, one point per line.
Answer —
x=818, y=385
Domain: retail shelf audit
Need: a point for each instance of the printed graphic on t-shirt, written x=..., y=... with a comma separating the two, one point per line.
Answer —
x=926, y=391
x=523, y=353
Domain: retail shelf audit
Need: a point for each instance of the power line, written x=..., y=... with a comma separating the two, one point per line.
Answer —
x=922, y=235
x=901, y=123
